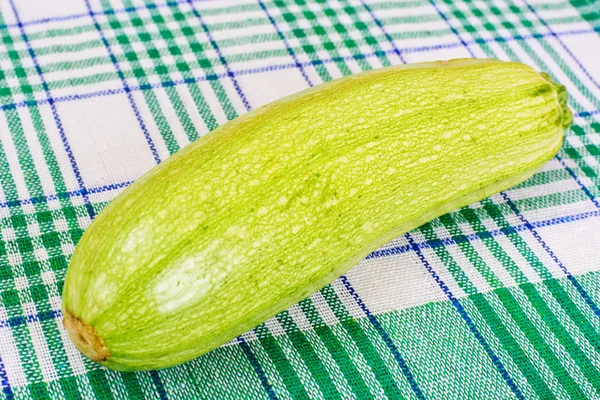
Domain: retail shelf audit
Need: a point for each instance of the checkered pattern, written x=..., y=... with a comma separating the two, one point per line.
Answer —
x=500, y=299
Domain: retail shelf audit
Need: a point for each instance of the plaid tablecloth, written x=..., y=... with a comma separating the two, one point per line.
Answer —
x=500, y=299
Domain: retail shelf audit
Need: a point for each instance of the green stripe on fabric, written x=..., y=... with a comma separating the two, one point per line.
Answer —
x=311, y=18
x=132, y=385
x=568, y=305
x=443, y=354
x=286, y=371
x=100, y=384
x=210, y=376
x=184, y=69
x=300, y=35
x=510, y=345
x=458, y=274
x=524, y=45
x=208, y=67
x=587, y=368
x=353, y=377
x=537, y=341
x=587, y=11
x=478, y=262
x=498, y=216
x=361, y=340
x=149, y=96
x=373, y=358
x=12, y=299
x=350, y=43
x=470, y=216
x=310, y=357
x=69, y=388
x=160, y=69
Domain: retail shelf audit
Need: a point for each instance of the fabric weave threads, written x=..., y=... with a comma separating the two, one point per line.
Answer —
x=500, y=299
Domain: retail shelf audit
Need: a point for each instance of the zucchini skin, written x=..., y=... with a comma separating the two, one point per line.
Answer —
x=274, y=205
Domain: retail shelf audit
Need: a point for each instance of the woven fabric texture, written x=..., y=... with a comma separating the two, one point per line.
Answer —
x=497, y=300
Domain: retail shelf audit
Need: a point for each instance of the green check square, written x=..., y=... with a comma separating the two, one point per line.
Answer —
x=10, y=298
x=122, y=39
x=158, y=19
x=51, y=240
x=76, y=234
x=38, y=391
x=31, y=268
x=25, y=245
x=299, y=33
x=5, y=273
x=20, y=72
x=360, y=25
x=309, y=15
x=18, y=221
x=183, y=67
x=319, y=30
x=39, y=293
x=165, y=34
x=58, y=263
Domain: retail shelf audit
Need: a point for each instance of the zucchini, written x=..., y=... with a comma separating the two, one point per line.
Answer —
x=276, y=204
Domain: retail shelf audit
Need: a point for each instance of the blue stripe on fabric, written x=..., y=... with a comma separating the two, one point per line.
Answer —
x=57, y=120
x=586, y=297
x=124, y=83
x=386, y=338
x=432, y=244
x=462, y=42
x=215, y=46
x=387, y=35
x=162, y=394
x=29, y=319
x=586, y=113
x=64, y=195
x=297, y=63
x=250, y=71
x=6, y=388
x=583, y=69
x=103, y=12
x=465, y=316
x=257, y=368
x=581, y=185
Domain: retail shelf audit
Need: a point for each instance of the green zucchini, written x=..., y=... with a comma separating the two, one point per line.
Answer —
x=274, y=205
